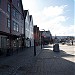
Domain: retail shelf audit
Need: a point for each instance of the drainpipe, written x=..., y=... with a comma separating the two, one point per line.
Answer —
x=10, y=20
x=24, y=31
x=8, y=50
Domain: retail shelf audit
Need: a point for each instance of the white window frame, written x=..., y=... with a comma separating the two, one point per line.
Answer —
x=8, y=7
x=8, y=22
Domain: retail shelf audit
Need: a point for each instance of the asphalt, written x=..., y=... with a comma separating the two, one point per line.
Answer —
x=46, y=61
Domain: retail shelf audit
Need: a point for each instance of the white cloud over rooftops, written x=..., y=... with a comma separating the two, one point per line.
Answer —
x=50, y=18
x=53, y=11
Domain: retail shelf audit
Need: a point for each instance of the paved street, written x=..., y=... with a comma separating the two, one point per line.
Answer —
x=46, y=62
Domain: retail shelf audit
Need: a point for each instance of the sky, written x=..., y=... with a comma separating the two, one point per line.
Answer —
x=54, y=15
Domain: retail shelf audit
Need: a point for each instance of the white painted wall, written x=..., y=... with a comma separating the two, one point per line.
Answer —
x=27, y=30
x=27, y=26
x=31, y=35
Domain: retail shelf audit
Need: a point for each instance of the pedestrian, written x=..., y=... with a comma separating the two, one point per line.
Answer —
x=72, y=42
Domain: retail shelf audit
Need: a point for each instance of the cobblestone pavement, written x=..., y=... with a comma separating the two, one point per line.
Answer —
x=46, y=62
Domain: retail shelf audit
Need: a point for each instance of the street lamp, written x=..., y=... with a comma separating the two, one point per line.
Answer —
x=42, y=37
x=41, y=40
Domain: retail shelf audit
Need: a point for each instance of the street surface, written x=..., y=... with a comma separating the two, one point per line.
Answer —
x=46, y=62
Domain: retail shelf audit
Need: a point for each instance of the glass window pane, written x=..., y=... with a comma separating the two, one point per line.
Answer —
x=14, y=12
x=14, y=26
x=0, y=1
x=17, y=27
x=8, y=7
x=8, y=23
x=18, y=3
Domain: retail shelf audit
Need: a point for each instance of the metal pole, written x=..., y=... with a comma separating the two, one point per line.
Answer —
x=41, y=39
x=34, y=48
x=41, y=42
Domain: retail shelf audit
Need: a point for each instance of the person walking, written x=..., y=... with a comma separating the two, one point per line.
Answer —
x=72, y=42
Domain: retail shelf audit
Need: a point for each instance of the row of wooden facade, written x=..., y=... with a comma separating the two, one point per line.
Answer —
x=16, y=25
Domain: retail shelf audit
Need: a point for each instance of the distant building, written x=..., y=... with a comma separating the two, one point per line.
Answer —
x=27, y=28
x=31, y=31
x=46, y=37
x=36, y=34
x=11, y=23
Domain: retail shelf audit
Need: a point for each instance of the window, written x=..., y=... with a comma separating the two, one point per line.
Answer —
x=22, y=30
x=17, y=15
x=14, y=12
x=16, y=26
x=8, y=23
x=0, y=17
x=8, y=7
x=21, y=17
x=0, y=1
x=18, y=3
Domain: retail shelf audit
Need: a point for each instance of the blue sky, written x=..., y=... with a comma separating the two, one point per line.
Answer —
x=54, y=15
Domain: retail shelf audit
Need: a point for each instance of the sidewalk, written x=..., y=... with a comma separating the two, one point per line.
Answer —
x=10, y=64
x=46, y=62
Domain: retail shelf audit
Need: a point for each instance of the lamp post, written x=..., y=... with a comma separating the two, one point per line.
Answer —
x=34, y=48
x=41, y=40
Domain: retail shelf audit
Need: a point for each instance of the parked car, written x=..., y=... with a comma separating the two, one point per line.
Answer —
x=63, y=43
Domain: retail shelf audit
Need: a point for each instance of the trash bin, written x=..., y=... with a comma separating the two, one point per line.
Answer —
x=56, y=48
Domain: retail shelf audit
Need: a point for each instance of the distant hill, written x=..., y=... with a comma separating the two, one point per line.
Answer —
x=62, y=37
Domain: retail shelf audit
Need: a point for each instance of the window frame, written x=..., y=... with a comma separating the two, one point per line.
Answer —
x=17, y=14
x=18, y=4
x=15, y=26
x=17, y=29
x=22, y=30
x=0, y=16
x=0, y=1
x=8, y=22
x=14, y=12
x=8, y=7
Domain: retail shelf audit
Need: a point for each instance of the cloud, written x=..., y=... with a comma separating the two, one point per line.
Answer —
x=62, y=30
x=30, y=5
x=52, y=18
x=53, y=11
x=50, y=14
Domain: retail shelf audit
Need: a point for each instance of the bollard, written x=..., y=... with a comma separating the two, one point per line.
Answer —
x=34, y=48
x=56, y=48
x=12, y=50
x=17, y=50
x=8, y=52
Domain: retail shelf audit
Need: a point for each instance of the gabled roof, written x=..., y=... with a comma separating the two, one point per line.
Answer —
x=30, y=17
x=25, y=13
x=22, y=6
